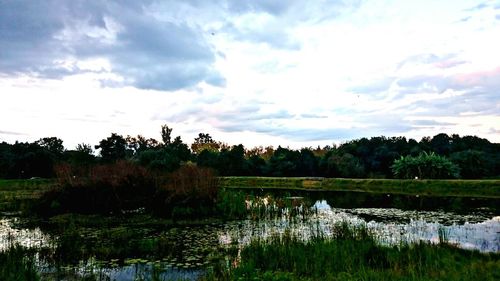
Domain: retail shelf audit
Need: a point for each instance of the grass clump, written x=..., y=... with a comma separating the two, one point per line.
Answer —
x=17, y=264
x=352, y=253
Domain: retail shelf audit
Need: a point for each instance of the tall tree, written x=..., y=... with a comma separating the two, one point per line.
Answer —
x=166, y=134
x=52, y=144
x=113, y=148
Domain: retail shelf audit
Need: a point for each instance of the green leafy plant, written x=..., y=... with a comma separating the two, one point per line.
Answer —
x=425, y=166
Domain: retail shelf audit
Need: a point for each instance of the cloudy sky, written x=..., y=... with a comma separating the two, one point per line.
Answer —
x=259, y=72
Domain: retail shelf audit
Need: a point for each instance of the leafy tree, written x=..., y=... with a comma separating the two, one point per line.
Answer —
x=328, y=164
x=283, y=163
x=307, y=163
x=53, y=145
x=349, y=166
x=85, y=148
x=83, y=155
x=113, y=148
x=31, y=160
x=204, y=141
x=232, y=162
x=442, y=144
x=139, y=144
x=256, y=165
x=425, y=166
x=179, y=149
x=473, y=164
x=208, y=158
x=166, y=134
x=159, y=159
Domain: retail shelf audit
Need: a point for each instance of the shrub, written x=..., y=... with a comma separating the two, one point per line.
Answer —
x=425, y=166
x=190, y=191
x=110, y=188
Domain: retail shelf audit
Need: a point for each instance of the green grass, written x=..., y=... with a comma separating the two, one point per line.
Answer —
x=353, y=254
x=465, y=188
x=14, y=193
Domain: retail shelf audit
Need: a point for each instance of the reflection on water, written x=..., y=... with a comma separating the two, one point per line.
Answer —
x=182, y=252
x=31, y=238
x=391, y=226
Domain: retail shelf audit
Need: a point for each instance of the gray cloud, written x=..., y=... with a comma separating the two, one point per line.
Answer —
x=430, y=123
x=479, y=6
x=312, y=116
x=11, y=133
x=478, y=92
x=26, y=30
x=375, y=87
x=148, y=53
x=282, y=16
x=415, y=84
x=274, y=34
x=311, y=134
x=294, y=134
x=475, y=101
x=424, y=83
x=440, y=61
x=271, y=7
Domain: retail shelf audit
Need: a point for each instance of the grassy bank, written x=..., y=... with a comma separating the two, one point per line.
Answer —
x=353, y=254
x=469, y=188
x=14, y=193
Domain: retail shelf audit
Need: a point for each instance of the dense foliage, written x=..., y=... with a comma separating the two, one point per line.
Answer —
x=362, y=158
x=425, y=166
x=125, y=186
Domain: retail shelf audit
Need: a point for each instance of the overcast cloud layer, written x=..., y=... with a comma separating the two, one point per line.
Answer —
x=297, y=73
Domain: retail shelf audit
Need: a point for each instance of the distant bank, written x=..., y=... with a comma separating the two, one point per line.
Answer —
x=464, y=188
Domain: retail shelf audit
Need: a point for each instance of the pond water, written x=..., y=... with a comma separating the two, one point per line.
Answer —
x=173, y=252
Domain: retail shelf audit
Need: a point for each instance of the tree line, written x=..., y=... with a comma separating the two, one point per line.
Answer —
x=467, y=157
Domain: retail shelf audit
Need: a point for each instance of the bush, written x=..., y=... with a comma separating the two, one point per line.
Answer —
x=110, y=188
x=190, y=191
x=425, y=166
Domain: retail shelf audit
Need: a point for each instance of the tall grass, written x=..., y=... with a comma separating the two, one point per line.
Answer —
x=17, y=264
x=353, y=254
x=189, y=192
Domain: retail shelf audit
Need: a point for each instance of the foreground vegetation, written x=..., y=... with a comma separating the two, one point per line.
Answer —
x=352, y=253
x=348, y=253
x=18, y=264
x=464, y=188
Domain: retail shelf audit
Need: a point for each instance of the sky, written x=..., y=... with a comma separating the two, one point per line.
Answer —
x=290, y=73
